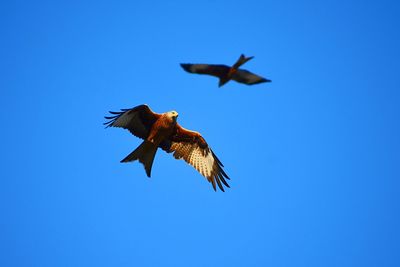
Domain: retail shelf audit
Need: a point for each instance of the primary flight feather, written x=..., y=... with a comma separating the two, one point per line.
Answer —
x=163, y=131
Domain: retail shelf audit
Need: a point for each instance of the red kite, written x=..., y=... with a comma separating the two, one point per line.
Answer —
x=163, y=131
x=226, y=73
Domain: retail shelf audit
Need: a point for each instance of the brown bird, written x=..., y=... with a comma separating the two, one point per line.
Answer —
x=163, y=131
x=226, y=73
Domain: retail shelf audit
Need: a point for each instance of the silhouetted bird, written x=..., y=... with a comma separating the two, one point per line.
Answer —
x=226, y=73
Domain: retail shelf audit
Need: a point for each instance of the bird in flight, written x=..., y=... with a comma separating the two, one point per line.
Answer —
x=226, y=73
x=163, y=131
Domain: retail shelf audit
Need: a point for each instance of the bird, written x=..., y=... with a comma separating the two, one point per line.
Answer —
x=163, y=131
x=226, y=73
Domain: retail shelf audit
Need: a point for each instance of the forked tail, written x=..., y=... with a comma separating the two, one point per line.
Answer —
x=242, y=59
x=145, y=153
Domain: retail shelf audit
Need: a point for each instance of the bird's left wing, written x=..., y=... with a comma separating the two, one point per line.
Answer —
x=209, y=69
x=137, y=120
x=247, y=77
x=192, y=147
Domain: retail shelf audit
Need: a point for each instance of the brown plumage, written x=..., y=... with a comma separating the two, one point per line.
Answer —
x=163, y=131
x=226, y=73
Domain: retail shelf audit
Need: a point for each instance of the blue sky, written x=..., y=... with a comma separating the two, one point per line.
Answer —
x=313, y=156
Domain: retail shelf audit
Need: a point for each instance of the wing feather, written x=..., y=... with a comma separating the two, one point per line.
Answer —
x=191, y=147
x=137, y=120
x=209, y=69
x=247, y=77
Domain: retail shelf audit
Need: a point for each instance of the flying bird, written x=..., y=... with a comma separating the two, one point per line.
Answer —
x=226, y=73
x=163, y=131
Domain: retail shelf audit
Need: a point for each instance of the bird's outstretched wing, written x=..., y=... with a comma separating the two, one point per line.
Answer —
x=137, y=120
x=192, y=147
x=209, y=69
x=247, y=77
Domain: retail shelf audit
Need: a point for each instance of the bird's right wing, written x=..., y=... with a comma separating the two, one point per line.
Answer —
x=137, y=120
x=192, y=147
x=209, y=69
x=247, y=77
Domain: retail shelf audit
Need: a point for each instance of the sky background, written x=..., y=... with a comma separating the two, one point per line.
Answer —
x=313, y=156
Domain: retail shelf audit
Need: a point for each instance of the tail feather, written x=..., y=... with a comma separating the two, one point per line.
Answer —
x=145, y=153
x=242, y=59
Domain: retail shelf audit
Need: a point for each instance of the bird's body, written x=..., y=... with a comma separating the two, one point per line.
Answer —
x=226, y=73
x=163, y=131
x=163, y=128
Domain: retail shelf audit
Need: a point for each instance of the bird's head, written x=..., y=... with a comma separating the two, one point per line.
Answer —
x=173, y=115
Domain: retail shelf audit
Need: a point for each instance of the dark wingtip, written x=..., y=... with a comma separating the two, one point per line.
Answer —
x=186, y=66
x=213, y=185
x=263, y=80
x=219, y=183
x=220, y=175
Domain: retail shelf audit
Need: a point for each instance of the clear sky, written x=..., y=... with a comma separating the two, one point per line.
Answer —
x=313, y=156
